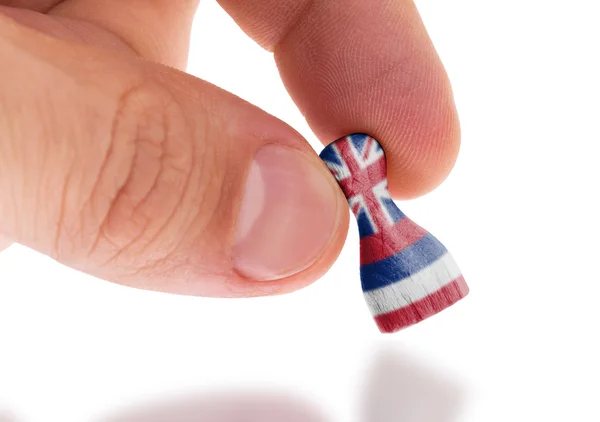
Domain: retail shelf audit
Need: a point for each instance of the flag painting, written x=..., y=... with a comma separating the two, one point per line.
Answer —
x=407, y=275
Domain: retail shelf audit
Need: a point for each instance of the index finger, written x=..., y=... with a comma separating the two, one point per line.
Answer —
x=361, y=66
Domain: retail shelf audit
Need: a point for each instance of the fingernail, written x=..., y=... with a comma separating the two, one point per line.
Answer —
x=288, y=216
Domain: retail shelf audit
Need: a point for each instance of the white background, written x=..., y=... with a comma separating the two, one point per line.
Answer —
x=519, y=212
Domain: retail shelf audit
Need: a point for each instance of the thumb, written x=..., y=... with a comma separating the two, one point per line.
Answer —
x=4, y=242
x=146, y=176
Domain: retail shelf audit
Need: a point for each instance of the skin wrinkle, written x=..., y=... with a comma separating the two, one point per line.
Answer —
x=109, y=154
x=6, y=148
x=123, y=248
x=222, y=176
x=63, y=205
x=46, y=119
x=196, y=214
x=177, y=206
x=114, y=200
x=39, y=190
x=157, y=179
x=101, y=171
x=160, y=159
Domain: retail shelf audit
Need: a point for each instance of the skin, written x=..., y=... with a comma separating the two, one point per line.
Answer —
x=94, y=100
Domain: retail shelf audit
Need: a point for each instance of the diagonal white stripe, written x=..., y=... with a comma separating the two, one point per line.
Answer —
x=381, y=192
x=342, y=171
x=411, y=289
x=359, y=199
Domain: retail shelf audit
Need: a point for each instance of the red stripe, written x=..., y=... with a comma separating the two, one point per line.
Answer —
x=424, y=308
x=390, y=241
x=344, y=147
x=367, y=147
x=361, y=181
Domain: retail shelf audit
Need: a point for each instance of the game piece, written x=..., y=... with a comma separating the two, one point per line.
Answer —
x=407, y=275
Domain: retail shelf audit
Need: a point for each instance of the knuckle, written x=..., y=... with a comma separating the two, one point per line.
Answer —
x=141, y=185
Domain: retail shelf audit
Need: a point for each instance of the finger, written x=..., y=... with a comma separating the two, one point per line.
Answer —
x=139, y=174
x=158, y=30
x=5, y=242
x=36, y=5
x=360, y=66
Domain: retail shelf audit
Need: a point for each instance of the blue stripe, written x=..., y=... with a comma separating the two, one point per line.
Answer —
x=402, y=265
x=329, y=154
x=359, y=140
x=392, y=209
x=365, y=228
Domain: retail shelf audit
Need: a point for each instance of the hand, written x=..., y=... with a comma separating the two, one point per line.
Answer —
x=116, y=164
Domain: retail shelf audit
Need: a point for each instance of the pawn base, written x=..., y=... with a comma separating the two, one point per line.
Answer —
x=424, y=308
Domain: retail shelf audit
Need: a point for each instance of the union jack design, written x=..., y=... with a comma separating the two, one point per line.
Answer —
x=407, y=275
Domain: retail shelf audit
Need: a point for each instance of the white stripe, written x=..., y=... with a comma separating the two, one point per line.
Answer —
x=363, y=207
x=405, y=292
x=340, y=171
x=381, y=192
